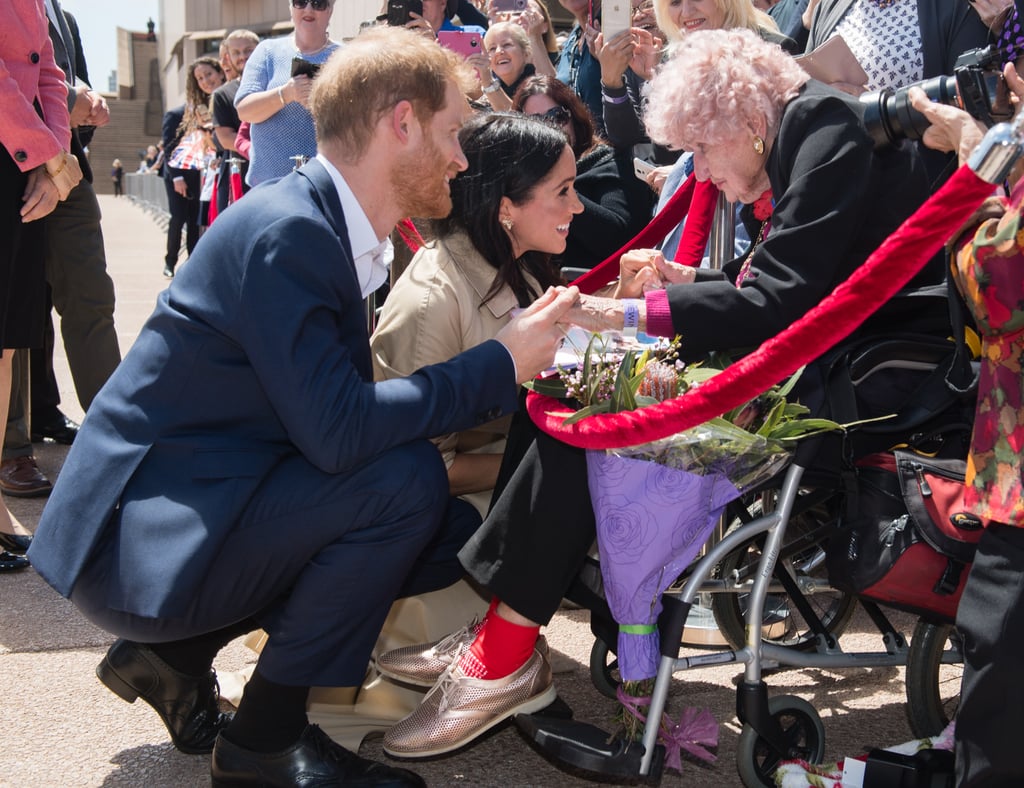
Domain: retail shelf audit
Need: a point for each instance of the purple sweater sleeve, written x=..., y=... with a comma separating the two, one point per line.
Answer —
x=659, y=316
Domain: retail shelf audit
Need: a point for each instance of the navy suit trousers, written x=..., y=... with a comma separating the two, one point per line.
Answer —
x=317, y=560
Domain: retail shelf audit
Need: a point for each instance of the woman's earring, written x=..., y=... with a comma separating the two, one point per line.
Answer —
x=507, y=224
x=759, y=146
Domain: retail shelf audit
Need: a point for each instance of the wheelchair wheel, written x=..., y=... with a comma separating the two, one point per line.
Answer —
x=757, y=761
x=604, y=669
x=802, y=555
x=935, y=666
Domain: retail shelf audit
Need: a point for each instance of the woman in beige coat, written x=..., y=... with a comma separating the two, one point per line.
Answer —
x=511, y=212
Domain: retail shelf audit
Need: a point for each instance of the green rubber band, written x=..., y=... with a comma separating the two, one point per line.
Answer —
x=638, y=629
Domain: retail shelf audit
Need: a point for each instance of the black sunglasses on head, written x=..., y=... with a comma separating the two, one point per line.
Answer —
x=318, y=5
x=558, y=115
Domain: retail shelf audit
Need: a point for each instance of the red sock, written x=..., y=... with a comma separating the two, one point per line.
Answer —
x=500, y=648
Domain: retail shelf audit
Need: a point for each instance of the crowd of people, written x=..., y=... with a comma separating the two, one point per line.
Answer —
x=261, y=460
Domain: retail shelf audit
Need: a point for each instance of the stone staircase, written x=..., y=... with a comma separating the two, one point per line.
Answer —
x=133, y=125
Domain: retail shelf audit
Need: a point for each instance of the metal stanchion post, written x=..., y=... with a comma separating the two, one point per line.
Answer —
x=701, y=629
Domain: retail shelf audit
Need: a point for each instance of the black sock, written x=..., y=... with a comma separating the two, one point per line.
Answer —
x=194, y=656
x=270, y=717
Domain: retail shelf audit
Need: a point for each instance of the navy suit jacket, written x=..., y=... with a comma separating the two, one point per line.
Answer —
x=257, y=352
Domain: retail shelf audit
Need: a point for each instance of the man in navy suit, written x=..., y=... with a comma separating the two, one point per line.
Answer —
x=241, y=469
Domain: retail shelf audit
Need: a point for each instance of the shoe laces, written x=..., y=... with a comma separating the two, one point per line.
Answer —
x=328, y=749
x=452, y=641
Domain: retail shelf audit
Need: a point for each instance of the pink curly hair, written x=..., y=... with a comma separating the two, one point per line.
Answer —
x=713, y=82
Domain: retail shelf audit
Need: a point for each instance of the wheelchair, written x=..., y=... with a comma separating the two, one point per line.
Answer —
x=768, y=567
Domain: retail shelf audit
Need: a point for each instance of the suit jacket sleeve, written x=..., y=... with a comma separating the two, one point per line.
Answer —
x=821, y=171
x=320, y=387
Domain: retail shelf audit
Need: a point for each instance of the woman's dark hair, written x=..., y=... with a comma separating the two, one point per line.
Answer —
x=582, y=123
x=508, y=156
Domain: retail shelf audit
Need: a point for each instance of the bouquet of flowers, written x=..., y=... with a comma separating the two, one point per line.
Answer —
x=657, y=503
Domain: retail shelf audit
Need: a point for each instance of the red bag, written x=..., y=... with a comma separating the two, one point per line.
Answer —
x=907, y=541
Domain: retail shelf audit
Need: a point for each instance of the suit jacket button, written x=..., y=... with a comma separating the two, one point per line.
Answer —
x=20, y=156
x=34, y=57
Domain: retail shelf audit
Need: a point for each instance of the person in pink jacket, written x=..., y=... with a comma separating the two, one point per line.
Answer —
x=36, y=172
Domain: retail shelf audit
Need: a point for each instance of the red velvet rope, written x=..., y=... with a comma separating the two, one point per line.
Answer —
x=887, y=270
x=671, y=214
x=699, y=220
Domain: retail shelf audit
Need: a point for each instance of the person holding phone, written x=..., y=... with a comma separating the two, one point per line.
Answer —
x=274, y=99
x=509, y=62
x=437, y=16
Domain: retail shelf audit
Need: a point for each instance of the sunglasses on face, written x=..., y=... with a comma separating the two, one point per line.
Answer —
x=559, y=115
x=318, y=5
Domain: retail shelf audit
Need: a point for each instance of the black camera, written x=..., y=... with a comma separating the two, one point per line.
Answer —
x=977, y=87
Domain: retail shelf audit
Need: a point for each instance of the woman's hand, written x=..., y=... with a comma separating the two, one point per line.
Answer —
x=297, y=89
x=40, y=197
x=951, y=128
x=646, y=53
x=656, y=178
x=532, y=21
x=614, y=56
x=592, y=313
x=481, y=64
x=647, y=269
x=65, y=172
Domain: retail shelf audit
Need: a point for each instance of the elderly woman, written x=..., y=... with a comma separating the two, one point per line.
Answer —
x=754, y=122
x=616, y=206
x=275, y=102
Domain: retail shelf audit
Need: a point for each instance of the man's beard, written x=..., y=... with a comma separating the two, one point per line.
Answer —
x=418, y=181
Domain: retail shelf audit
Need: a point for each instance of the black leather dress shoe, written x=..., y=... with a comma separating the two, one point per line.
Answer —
x=9, y=562
x=16, y=543
x=314, y=760
x=57, y=428
x=186, y=704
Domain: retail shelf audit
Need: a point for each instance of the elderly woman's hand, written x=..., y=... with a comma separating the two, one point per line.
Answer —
x=641, y=270
x=296, y=89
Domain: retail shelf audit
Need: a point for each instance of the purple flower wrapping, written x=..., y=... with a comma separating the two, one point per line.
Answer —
x=651, y=523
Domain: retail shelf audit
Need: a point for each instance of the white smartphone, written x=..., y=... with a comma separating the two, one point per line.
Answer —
x=616, y=16
x=642, y=168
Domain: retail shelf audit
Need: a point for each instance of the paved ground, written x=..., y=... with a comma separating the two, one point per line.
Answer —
x=60, y=727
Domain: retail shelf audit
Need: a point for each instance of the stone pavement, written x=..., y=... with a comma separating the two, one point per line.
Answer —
x=60, y=727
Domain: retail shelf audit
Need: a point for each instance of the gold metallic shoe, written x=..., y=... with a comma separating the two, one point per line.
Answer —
x=423, y=664
x=460, y=708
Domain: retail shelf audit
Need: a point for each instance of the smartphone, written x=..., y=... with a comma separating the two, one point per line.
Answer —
x=616, y=16
x=399, y=10
x=303, y=66
x=642, y=168
x=461, y=41
x=508, y=6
